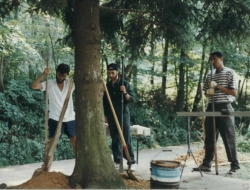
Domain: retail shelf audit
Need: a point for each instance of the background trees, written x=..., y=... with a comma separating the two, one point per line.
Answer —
x=165, y=44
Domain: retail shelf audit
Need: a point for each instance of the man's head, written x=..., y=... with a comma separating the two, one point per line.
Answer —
x=112, y=71
x=216, y=59
x=62, y=72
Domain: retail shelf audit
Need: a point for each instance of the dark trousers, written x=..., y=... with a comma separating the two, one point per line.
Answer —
x=224, y=126
x=116, y=143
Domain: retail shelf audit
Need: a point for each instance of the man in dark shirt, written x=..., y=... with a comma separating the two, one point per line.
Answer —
x=116, y=90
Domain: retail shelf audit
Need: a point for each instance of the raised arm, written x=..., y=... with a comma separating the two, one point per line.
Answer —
x=36, y=84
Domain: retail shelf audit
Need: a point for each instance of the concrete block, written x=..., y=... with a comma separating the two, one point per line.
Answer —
x=140, y=130
x=136, y=130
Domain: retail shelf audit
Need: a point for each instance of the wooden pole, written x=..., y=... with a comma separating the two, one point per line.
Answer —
x=214, y=126
x=203, y=109
x=46, y=142
x=58, y=129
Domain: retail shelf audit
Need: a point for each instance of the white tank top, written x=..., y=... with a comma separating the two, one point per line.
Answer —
x=57, y=98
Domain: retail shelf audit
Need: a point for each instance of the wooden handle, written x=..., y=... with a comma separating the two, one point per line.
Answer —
x=52, y=147
x=203, y=109
x=117, y=123
x=46, y=113
x=59, y=124
x=214, y=128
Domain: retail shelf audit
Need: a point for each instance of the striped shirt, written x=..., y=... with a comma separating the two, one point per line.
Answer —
x=226, y=78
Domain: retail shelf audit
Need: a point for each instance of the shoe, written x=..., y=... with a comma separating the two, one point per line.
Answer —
x=117, y=166
x=202, y=168
x=132, y=168
x=232, y=171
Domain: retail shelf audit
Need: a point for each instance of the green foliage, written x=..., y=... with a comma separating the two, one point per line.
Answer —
x=243, y=141
x=157, y=114
x=63, y=150
x=28, y=40
x=22, y=126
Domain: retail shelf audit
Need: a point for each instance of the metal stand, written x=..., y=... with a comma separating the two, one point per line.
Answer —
x=189, y=152
x=137, y=149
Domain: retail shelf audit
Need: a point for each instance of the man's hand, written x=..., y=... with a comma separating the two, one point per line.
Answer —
x=46, y=71
x=213, y=84
x=123, y=89
x=106, y=120
x=210, y=91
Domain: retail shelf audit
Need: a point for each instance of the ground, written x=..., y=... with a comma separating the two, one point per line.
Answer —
x=58, y=180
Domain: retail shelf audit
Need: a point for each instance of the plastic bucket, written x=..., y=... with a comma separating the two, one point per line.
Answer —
x=165, y=174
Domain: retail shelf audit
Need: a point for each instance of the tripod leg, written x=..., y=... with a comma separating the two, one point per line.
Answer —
x=196, y=162
x=184, y=164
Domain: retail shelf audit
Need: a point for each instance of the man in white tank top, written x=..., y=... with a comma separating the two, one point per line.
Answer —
x=57, y=92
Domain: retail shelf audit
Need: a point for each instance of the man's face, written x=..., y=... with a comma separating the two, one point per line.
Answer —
x=60, y=78
x=216, y=61
x=112, y=74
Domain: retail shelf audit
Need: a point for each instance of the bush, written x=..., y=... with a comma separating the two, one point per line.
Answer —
x=22, y=126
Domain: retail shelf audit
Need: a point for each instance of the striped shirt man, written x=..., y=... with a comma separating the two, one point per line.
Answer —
x=223, y=92
x=226, y=78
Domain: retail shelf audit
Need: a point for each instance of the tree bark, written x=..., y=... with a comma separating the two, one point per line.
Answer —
x=94, y=168
x=164, y=67
x=198, y=91
x=2, y=72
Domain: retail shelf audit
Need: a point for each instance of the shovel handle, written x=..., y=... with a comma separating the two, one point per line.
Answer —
x=203, y=110
x=58, y=129
x=117, y=123
x=214, y=127
x=59, y=124
x=46, y=112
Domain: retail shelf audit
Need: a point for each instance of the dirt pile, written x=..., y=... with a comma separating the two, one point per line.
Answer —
x=131, y=184
x=57, y=180
x=199, y=155
x=47, y=180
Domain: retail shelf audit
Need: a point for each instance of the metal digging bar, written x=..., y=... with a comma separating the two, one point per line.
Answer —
x=121, y=169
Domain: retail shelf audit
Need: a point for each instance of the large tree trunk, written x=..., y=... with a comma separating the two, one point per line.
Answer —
x=198, y=92
x=94, y=168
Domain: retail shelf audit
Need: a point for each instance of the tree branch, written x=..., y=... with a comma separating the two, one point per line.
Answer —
x=122, y=10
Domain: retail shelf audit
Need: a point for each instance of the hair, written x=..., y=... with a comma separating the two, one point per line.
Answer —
x=63, y=68
x=112, y=66
x=217, y=53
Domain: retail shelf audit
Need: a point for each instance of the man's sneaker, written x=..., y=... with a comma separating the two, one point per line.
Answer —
x=132, y=168
x=232, y=171
x=202, y=168
x=117, y=166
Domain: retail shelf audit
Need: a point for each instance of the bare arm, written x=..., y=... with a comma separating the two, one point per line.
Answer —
x=227, y=91
x=36, y=84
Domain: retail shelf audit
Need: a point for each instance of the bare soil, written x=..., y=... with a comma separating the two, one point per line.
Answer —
x=57, y=180
x=221, y=157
